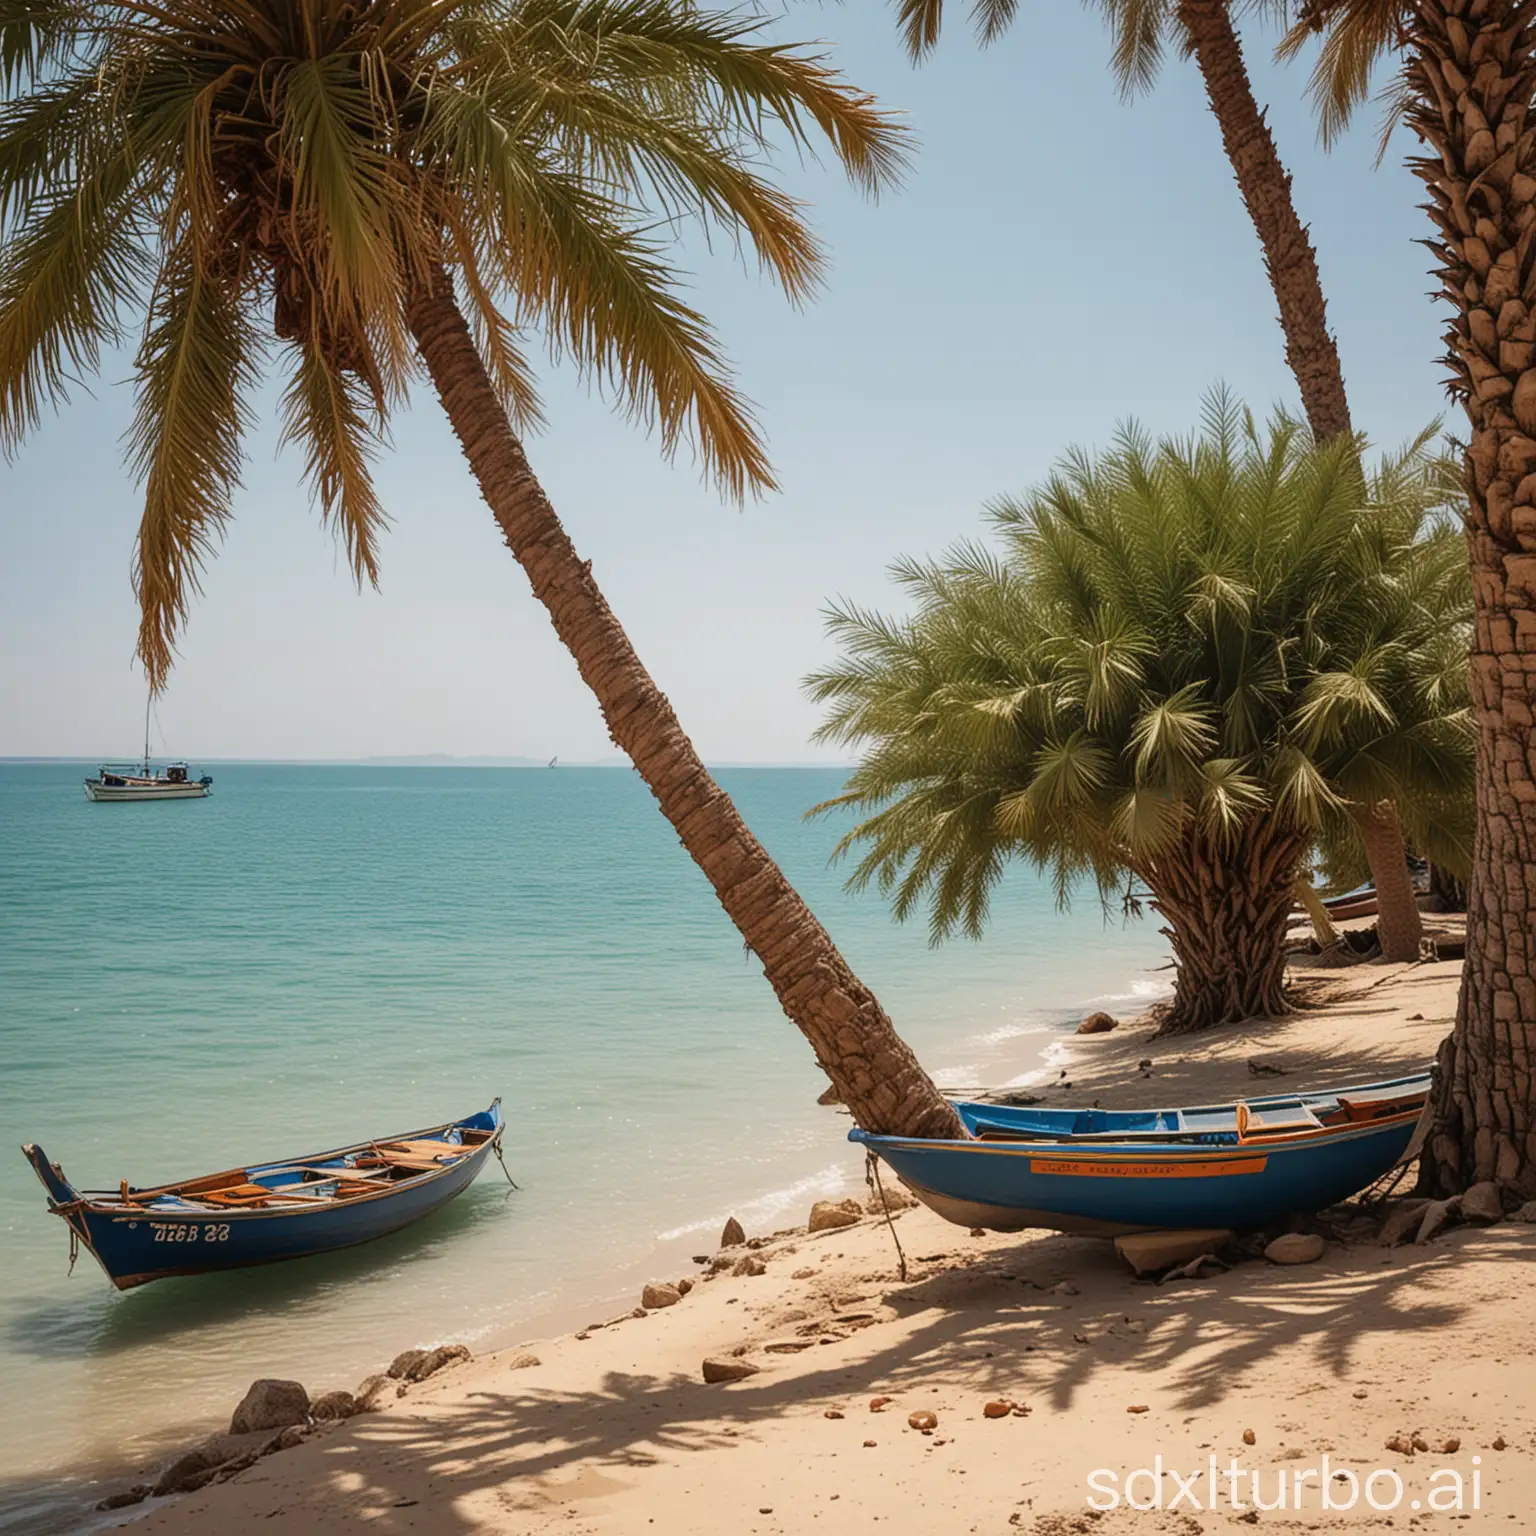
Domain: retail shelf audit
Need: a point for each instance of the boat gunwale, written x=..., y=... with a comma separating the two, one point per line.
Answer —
x=109, y=1203
x=1129, y=1147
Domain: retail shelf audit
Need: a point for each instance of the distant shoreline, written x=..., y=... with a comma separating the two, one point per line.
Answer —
x=430, y=760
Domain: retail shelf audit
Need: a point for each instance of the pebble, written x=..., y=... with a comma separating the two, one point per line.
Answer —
x=1500, y=1443
x=523, y=1361
x=1249, y=1438
x=732, y=1234
x=1450, y=1447
x=1137, y=1408
x=654, y=1296
x=877, y=1404
x=924, y=1419
x=749, y=1264
x=803, y=1274
x=717, y=1370
x=829, y=1214
x=868, y=1444
x=997, y=1409
x=833, y=1413
x=1296, y=1248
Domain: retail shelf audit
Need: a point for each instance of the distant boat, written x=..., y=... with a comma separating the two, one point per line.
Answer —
x=284, y=1210
x=143, y=781
x=1104, y=1172
x=551, y=763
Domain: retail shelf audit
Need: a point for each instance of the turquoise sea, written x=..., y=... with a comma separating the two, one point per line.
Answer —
x=315, y=954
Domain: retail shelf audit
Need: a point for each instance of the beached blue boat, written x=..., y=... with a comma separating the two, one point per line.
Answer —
x=272, y=1211
x=1108, y=1172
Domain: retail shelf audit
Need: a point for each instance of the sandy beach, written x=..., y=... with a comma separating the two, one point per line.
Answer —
x=1260, y=1370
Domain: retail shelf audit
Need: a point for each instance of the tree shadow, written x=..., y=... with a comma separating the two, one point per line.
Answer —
x=990, y=1325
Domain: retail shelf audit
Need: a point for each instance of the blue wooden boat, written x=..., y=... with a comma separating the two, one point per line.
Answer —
x=272, y=1211
x=1109, y=1172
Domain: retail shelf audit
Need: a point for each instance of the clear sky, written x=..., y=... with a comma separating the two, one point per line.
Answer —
x=1056, y=262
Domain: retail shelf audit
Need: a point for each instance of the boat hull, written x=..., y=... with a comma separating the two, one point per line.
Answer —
x=135, y=1247
x=1110, y=1189
x=94, y=790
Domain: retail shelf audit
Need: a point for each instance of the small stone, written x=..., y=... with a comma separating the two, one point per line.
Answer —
x=997, y=1409
x=1500, y=1444
x=1403, y=1222
x=1152, y=1252
x=334, y=1405
x=749, y=1264
x=1419, y=1443
x=803, y=1274
x=925, y=1419
x=1526, y=1213
x=717, y=1370
x=1249, y=1438
x=368, y=1392
x=869, y=1444
x=1295, y=1248
x=655, y=1296
x=1137, y=1408
x=523, y=1362
x=978, y=1231
x=1362, y=1393
x=877, y=1404
x=1438, y=1214
x=1098, y=1024
x=684, y=1286
x=400, y=1366
x=733, y=1234
x=270, y=1404
x=435, y=1360
x=828, y=1214
x=1481, y=1204
x=701, y=1258
x=895, y=1200
x=135, y=1495
x=1145, y=1064
x=833, y=1413
x=1401, y=1444
x=1064, y=1288
x=1451, y=1446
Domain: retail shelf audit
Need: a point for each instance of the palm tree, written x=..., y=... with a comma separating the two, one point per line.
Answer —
x=1190, y=661
x=1140, y=30
x=371, y=188
x=1468, y=79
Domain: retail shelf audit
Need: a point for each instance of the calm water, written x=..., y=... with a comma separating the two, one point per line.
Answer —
x=318, y=954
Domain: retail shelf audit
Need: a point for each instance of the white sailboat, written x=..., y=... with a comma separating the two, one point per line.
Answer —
x=145, y=781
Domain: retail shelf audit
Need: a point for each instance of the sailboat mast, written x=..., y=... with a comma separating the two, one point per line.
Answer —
x=148, y=705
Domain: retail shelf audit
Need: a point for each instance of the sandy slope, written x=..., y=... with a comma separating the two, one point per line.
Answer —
x=615, y=1432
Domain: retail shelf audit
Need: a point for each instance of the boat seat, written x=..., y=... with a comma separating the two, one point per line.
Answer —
x=422, y=1148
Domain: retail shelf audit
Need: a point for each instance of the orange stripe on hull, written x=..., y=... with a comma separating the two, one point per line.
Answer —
x=1105, y=1169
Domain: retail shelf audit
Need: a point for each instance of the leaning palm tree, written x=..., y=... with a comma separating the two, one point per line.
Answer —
x=1141, y=31
x=1189, y=661
x=370, y=190
x=1465, y=90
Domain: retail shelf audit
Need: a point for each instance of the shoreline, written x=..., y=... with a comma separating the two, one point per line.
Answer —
x=62, y=1497
x=487, y=1447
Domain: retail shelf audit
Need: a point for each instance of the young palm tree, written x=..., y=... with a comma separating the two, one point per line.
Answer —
x=1190, y=661
x=371, y=189
x=1467, y=82
x=1141, y=32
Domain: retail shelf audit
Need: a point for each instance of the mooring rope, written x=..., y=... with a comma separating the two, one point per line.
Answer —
x=500, y=1159
x=872, y=1179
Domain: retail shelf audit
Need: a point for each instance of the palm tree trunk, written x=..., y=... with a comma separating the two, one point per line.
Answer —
x=1398, y=924
x=874, y=1072
x=1227, y=905
x=1471, y=68
x=1266, y=188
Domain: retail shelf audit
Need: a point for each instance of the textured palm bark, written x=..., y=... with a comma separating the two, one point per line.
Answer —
x=1226, y=906
x=1471, y=69
x=874, y=1072
x=1266, y=189
x=1398, y=924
